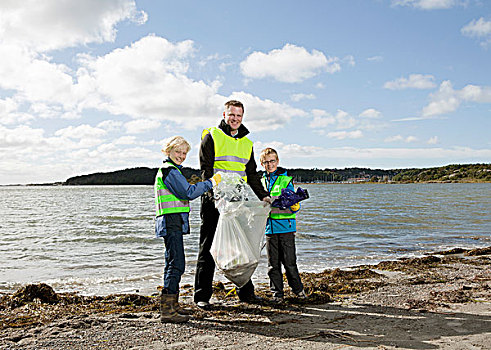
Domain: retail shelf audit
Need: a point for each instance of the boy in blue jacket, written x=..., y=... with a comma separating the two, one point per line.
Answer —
x=172, y=196
x=280, y=230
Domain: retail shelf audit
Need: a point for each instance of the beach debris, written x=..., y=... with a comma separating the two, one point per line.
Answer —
x=34, y=292
x=451, y=251
x=133, y=299
x=405, y=264
x=288, y=198
x=479, y=251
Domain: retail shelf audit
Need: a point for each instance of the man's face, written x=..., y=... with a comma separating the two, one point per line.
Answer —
x=270, y=163
x=178, y=154
x=233, y=117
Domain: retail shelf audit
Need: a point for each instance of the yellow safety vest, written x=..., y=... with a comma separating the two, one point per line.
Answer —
x=165, y=201
x=281, y=182
x=231, y=154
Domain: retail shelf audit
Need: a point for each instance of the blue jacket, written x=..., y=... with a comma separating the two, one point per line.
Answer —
x=274, y=226
x=179, y=186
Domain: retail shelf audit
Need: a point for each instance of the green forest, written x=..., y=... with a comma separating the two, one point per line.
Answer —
x=449, y=173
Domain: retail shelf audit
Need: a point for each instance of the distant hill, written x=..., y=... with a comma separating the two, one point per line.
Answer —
x=133, y=176
x=449, y=173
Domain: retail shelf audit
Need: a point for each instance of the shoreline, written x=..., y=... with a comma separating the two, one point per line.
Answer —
x=441, y=300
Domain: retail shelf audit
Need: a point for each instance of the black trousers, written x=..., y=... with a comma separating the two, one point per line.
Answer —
x=205, y=266
x=281, y=251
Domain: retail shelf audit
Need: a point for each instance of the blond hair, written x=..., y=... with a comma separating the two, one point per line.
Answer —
x=174, y=142
x=266, y=152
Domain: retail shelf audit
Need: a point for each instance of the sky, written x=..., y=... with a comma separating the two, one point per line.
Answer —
x=97, y=86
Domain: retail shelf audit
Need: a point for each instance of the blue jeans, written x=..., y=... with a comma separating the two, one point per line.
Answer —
x=174, y=261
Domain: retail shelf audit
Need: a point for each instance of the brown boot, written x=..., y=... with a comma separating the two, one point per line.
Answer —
x=180, y=310
x=168, y=311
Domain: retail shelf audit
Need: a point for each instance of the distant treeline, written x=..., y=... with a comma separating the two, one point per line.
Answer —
x=449, y=173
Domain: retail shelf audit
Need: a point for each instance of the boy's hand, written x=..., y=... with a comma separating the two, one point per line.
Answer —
x=216, y=179
x=295, y=207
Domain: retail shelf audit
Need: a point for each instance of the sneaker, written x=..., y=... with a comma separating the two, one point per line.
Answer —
x=203, y=305
x=302, y=295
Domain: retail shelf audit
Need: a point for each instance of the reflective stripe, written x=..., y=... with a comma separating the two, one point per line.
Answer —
x=275, y=210
x=180, y=204
x=165, y=201
x=241, y=173
x=164, y=192
x=232, y=159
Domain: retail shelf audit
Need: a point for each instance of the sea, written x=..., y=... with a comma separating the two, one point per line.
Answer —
x=100, y=240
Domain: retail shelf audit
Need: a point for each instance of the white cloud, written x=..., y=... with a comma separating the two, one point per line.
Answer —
x=370, y=113
x=480, y=29
x=110, y=125
x=350, y=60
x=288, y=150
x=80, y=132
x=148, y=80
x=291, y=153
x=291, y=64
x=51, y=24
x=375, y=59
x=341, y=135
x=125, y=140
x=341, y=120
x=428, y=4
x=433, y=140
x=299, y=97
x=21, y=136
x=447, y=100
x=34, y=78
x=395, y=138
x=367, y=120
x=141, y=125
x=264, y=114
x=415, y=81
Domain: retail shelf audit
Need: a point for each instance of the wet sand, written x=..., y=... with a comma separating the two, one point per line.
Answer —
x=440, y=301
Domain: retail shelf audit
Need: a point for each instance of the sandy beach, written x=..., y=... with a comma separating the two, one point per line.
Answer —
x=440, y=301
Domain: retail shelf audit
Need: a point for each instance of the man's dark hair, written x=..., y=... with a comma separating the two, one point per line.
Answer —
x=234, y=103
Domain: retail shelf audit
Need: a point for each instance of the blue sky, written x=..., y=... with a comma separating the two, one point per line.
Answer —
x=90, y=86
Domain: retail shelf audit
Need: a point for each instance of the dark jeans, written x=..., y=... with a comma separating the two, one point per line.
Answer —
x=174, y=261
x=281, y=250
x=205, y=266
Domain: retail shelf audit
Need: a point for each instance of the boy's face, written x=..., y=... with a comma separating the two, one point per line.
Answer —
x=270, y=163
x=178, y=154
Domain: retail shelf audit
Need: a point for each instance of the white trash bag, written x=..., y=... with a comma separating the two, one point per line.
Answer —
x=239, y=236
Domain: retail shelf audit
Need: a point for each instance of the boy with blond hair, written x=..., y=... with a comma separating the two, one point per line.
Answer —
x=280, y=229
x=172, y=196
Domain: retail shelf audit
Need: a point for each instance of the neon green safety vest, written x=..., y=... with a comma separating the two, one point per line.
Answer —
x=165, y=201
x=231, y=154
x=281, y=182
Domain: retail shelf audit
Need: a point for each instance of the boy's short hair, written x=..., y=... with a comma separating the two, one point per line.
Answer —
x=234, y=103
x=266, y=152
x=174, y=142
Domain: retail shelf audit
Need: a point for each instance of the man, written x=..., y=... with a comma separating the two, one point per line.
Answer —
x=224, y=148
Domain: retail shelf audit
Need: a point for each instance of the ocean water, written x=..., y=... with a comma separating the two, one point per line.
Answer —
x=100, y=239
